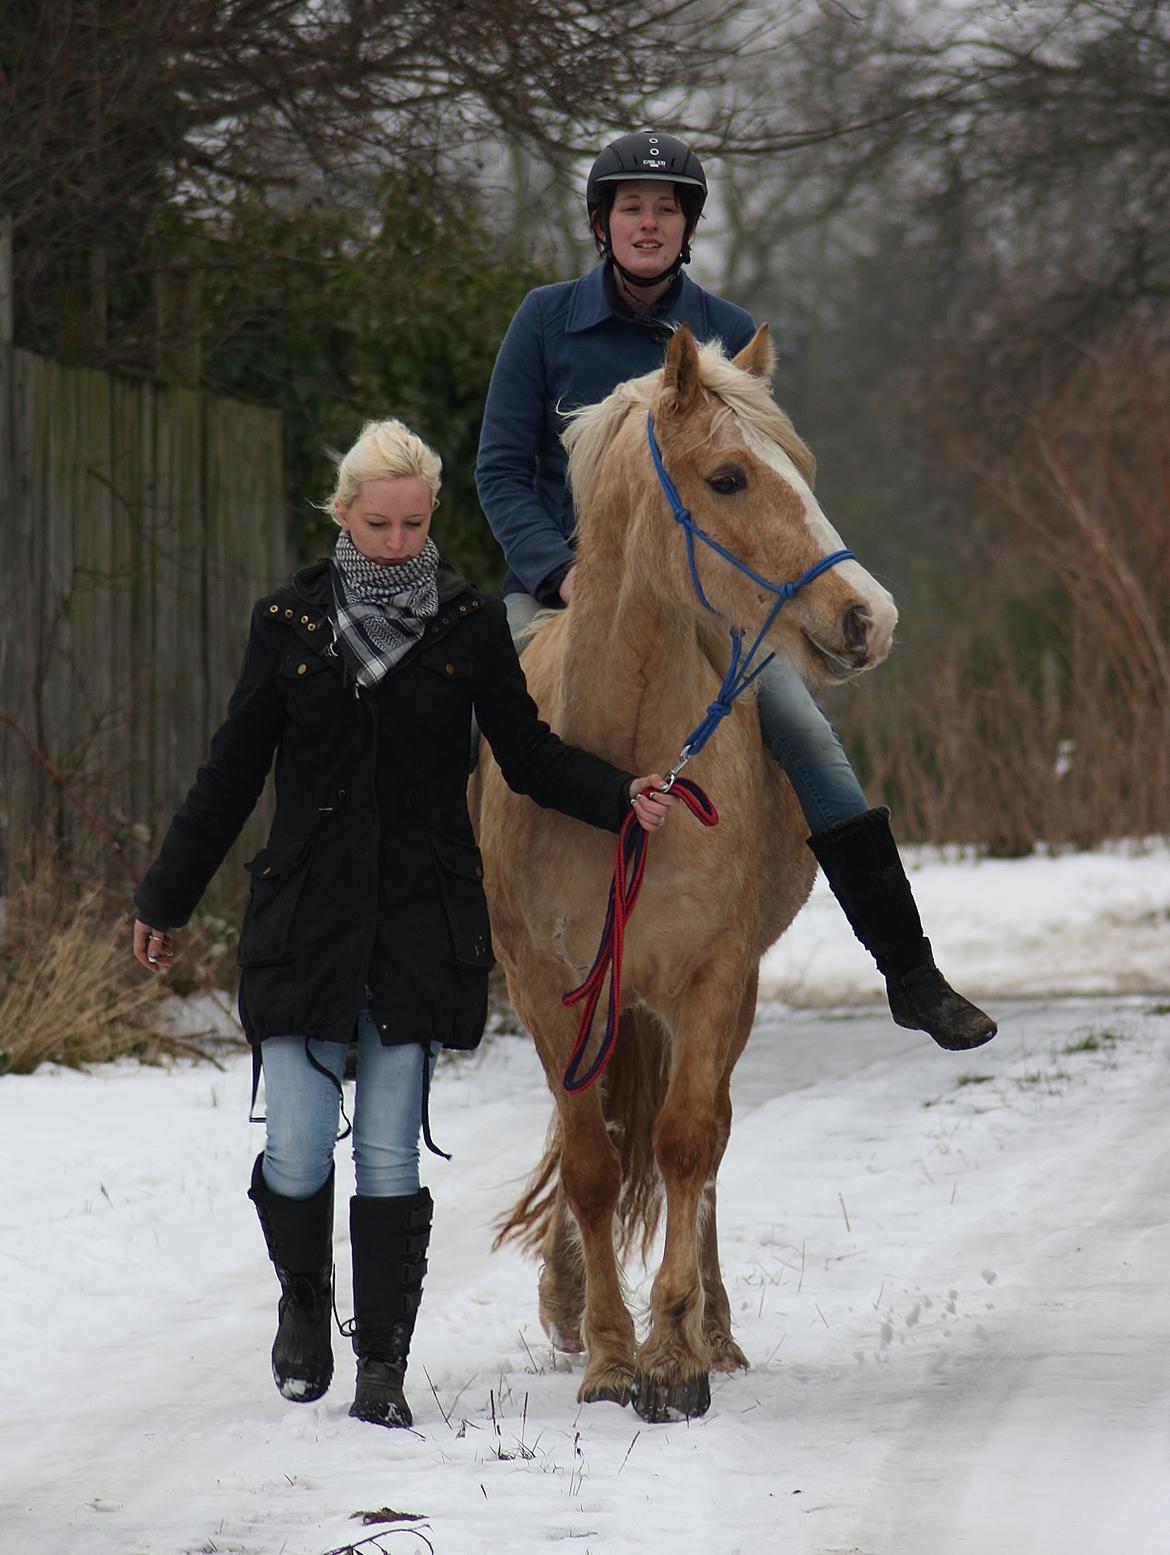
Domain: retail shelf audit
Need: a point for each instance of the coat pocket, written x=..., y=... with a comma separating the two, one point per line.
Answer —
x=451, y=661
x=278, y=877
x=311, y=687
x=460, y=872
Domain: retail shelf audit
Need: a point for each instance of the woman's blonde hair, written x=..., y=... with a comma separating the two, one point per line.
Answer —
x=385, y=450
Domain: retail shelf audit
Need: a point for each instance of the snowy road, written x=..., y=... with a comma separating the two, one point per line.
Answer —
x=950, y=1274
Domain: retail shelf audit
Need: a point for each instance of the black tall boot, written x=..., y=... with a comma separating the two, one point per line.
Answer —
x=390, y=1239
x=860, y=859
x=299, y=1233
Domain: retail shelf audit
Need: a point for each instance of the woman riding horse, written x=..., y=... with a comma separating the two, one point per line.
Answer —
x=568, y=346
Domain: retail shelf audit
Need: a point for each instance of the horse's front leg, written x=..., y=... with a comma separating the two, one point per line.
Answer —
x=591, y=1176
x=685, y=1340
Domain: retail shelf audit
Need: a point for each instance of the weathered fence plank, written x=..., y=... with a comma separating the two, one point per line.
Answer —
x=139, y=522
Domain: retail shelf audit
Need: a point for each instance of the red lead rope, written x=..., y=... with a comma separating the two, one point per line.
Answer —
x=623, y=897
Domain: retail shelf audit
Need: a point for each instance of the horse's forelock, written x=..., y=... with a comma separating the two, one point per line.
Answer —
x=750, y=400
x=591, y=430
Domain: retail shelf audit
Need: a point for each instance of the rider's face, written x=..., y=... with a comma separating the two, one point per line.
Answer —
x=647, y=226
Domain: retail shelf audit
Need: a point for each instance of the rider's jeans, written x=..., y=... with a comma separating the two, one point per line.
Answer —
x=521, y=609
x=804, y=744
x=801, y=740
x=302, y=1107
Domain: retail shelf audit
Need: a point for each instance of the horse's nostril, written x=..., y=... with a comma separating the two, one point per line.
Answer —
x=856, y=626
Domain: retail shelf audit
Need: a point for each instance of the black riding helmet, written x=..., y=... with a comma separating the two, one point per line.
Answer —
x=647, y=154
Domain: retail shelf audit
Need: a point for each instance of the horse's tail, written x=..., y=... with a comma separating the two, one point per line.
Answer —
x=529, y=1218
x=633, y=1089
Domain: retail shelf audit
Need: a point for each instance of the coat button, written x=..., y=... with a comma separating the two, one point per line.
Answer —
x=462, y=610
x=304, y=620
x=302, y=669
x=288, y=615
x=312, y=626
x=273, y=610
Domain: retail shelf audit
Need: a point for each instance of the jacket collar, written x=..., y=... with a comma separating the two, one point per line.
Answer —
x=592, y=302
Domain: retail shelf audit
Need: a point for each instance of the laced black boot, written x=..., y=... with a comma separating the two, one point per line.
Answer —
x=389, y=1239
x=299, y=1234
x=860, y=859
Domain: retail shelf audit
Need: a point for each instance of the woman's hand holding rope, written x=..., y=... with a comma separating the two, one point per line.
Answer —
x=650, y=800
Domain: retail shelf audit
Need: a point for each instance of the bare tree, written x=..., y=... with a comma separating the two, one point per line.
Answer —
x=120, y=120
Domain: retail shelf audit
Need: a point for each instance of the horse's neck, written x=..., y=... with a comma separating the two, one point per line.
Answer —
x=635, y=673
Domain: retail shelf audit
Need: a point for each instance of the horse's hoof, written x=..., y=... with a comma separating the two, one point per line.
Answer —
x=605, y=1393
x=606, y=1384
x=561, y=1336
x=726, y=1355
x=562, y=1329
x=658, y=1402
x=568, y=1342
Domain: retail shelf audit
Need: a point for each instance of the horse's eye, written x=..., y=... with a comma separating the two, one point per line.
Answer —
x=726, y=481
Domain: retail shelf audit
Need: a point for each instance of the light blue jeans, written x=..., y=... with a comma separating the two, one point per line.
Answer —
x=302, y=1106
x=799, y=737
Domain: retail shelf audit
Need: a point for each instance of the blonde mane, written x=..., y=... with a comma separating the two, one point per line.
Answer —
x=745, y=397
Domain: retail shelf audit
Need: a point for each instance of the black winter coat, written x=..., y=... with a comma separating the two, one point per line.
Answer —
x=369, y=890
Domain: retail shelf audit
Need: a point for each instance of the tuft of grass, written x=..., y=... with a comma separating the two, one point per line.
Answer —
x=71, y=991
x=1093, y=1042
x=1036, y=1077
x=973, y=1079
x=1089, y=1044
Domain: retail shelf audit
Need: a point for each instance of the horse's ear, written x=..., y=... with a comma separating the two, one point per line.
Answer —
x=681, y=369
x=758, y=357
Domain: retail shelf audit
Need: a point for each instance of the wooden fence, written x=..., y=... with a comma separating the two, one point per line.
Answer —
x=138, y=523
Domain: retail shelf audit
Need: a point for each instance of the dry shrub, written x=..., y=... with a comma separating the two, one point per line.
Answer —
x=974, y=749
x=71, y=991
x=1045, y=715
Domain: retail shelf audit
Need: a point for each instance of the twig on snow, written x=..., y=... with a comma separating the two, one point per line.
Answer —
x=629, y=1450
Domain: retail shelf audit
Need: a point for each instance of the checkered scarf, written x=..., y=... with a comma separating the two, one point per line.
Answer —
x=381, y=612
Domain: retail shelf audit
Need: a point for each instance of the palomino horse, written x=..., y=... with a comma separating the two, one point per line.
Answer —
x=626, y=671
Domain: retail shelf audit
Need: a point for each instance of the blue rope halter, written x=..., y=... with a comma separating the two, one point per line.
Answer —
x=740, y=673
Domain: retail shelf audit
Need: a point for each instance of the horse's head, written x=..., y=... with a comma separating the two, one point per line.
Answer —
x=745, y=478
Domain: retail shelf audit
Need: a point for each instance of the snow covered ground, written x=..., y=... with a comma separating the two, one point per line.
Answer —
x=950, y=1273
x=1083, y=923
